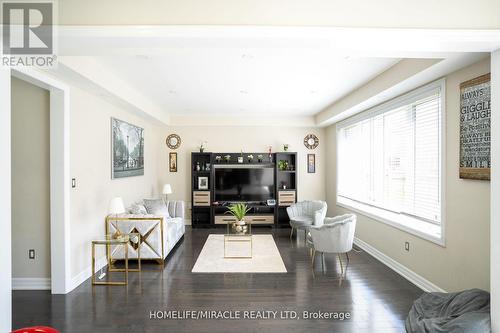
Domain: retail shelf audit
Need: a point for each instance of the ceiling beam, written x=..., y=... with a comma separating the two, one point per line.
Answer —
x=362, y=42
x=90, y=74
x=406, y=75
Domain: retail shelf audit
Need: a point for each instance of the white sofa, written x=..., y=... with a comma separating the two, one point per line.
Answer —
x=159, y=233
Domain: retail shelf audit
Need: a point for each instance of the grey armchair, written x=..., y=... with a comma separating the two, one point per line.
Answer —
x=336, y=235
x=305, y=214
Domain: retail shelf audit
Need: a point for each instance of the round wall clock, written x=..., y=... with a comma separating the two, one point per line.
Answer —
x=173, y=141
x=311, y=141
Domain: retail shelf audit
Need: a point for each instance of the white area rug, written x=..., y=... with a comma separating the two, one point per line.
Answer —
x=266, y=257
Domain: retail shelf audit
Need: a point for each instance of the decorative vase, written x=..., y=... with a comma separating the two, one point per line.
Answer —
x=240, y=227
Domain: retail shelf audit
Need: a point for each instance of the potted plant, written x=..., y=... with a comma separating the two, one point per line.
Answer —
x=227, y=158
x=285, y=147
x=282, y=165
x=218, y=158
x=250, y=158
x=239, y=211
x=260, y=158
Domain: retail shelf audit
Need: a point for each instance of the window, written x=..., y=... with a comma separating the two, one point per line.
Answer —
x=389, y=160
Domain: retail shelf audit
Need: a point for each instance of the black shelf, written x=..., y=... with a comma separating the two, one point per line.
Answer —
x=204, y=216
x=288, y=178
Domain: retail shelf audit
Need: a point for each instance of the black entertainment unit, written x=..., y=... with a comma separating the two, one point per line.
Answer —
x=266, y=185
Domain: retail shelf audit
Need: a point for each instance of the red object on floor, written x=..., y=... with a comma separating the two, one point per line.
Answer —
x=36, y=329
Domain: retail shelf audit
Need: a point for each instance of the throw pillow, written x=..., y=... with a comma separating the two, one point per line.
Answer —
x=156, y=207
x=138, y=209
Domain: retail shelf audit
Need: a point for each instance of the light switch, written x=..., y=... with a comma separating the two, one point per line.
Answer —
x=73, y=182
x=31, y=254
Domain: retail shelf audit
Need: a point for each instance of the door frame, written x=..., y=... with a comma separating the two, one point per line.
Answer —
x=60, y=183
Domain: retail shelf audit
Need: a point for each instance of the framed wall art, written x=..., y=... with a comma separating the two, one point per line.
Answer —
x=172, y=162
x=475, y=131
x=127, y=149
x=311, y=163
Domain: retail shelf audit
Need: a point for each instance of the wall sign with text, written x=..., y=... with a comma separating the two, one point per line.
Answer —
x=475, y=132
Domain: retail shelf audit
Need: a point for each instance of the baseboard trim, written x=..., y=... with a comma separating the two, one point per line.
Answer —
x=31, y=284
x=402, y=270
x=86, y=273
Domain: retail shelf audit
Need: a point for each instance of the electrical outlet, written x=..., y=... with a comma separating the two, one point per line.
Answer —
x=407, y=246
x=31, y=254
x=73, y=182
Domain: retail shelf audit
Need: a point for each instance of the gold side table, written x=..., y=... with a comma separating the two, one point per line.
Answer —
x=122, y=241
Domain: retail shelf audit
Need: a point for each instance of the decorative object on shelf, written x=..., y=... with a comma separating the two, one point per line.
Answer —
x=250, y=158
x=127, y=147
x=227, y=158
x=203, y=183
x=311, y=163
x=311, y=141
x=260, y=158
x=240, y=159
x=202, y=146
x=270, y=154
x=218, y=158
x=285, y=147
x=167, y=189
x=283, y=185
x=283, y=165
x=475, y=130
x=207, y=166
x=172, y=162
x=198, y=167
x=173, y=141
x=271, y=202
x=239, y=211
x=116, y=206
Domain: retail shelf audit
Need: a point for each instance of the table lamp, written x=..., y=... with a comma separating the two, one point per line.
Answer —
x=167, y=189
x=116, y=206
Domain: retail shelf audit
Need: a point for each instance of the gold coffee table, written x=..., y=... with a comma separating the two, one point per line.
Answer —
x=235, y=235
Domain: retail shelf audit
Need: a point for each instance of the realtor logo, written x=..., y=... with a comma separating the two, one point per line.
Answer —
x=28, y=33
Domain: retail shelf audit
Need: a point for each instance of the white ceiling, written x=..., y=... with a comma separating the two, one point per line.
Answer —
x=239, y=81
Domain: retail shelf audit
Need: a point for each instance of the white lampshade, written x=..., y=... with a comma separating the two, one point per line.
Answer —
x=167, y=189
x=116, y=206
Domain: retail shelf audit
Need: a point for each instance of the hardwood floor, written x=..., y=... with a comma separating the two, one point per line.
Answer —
x=377, y=298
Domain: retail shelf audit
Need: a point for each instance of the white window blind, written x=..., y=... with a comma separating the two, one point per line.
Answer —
x=390, y=158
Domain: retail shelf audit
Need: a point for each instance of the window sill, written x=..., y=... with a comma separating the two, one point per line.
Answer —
x=428, y=231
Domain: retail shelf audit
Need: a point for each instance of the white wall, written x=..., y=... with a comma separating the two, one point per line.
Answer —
x=248, y=139
x=30, y=180
x=5, y=201
x=464, y=262
x=91, y=166
x=495, y=192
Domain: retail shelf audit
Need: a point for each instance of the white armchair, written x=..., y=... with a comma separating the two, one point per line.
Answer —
x=305, y=214
x=336, y=235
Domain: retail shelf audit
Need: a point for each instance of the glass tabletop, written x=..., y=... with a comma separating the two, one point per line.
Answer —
x=118, y=238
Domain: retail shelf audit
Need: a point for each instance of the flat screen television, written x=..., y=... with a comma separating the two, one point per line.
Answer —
x=244, y=184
